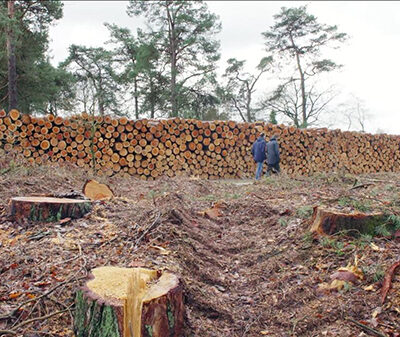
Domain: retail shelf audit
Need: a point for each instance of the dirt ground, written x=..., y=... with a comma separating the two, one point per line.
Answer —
x=249, y=265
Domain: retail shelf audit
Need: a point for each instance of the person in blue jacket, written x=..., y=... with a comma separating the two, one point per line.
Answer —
x=258, y=152
x=273, y=156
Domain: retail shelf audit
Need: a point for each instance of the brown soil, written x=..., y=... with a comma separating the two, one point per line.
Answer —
x=249, y=265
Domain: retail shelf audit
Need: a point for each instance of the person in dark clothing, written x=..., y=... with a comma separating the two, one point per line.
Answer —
x=273, y=156
x=258, y=152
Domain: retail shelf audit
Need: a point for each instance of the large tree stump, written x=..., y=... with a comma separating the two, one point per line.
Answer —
x=129, y=302
x=329, y=221
x=47, y=209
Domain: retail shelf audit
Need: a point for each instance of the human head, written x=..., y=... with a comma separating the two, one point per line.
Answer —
x=262, y=134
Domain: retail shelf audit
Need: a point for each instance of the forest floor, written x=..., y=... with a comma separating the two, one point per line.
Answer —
x=249, y=265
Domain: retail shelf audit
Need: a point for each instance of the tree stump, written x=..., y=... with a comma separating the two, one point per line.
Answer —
x=329, y=221
x=129, y=302
x=96, y=191
x=47, y=209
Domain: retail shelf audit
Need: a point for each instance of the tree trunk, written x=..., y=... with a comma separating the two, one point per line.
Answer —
x=47, y=209
x=135, y=84
x=248, y=103
x=302, y=85
x=303, y=93
x=152, y=99
x=174, y=112
x=129, y=302
x=12, y=64
x=173, y=47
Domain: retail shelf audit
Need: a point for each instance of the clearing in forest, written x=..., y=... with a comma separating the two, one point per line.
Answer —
x=243, y=250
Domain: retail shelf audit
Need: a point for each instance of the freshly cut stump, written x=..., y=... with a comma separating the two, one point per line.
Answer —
x=129, y=302
x=329, y=221
x=46, y=209
x=96, y=191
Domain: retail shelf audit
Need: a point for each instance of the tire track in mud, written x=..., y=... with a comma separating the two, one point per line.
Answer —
x=218, y=258
x=245, y=272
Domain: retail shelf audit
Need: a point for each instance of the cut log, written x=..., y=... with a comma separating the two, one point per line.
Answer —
x=129, y=302
x=330, y=221
x=47, y=209
x=213, y=149
x=96, y=191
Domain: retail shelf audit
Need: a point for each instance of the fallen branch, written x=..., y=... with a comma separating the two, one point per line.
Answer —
x=387, y=281
x=13, y=312
x=296, y=322
x=367, y=328
x=249, y=325
x=148, y=229
x=39, y=235
x=361, y=186
x=14, y=331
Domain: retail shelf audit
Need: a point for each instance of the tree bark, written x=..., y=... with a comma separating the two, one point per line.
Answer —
x=135, y=84
x=248, y=102
x=172, y=46
x=12, y=63
x=302, y=85
x=330, y=221
x=46, y=209
x=152, y=103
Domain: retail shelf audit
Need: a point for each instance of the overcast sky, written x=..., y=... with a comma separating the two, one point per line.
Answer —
x=370, y=57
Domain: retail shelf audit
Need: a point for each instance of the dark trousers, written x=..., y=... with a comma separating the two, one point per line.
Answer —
x=274, y=168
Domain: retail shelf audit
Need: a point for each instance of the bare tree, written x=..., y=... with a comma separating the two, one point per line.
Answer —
x=287, y=101
x=242, y=85
x=354, y=112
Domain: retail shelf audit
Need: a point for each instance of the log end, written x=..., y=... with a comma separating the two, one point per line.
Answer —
x=96, y=191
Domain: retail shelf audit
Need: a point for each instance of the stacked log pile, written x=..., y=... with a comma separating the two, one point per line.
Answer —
x=150, y=148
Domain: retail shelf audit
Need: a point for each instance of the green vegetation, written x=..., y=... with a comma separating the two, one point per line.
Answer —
x=360, y=205
x=347, y=286
x=375, y=272
x=283, y=222
x=298, y=38
x=308, y=238
x=28, y=81
x=185, y=37
x=166, y=68
x=337, y=246
x=304, y=212
x=232, y=195
x=394, y=220
x=152, y=194
x=241, y=86
x=208, y=197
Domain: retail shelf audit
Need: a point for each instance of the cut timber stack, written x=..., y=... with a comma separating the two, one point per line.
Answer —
x=129, y=302
x=149, y=148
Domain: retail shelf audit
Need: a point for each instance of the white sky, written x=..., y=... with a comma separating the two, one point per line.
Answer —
x=371, y=56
